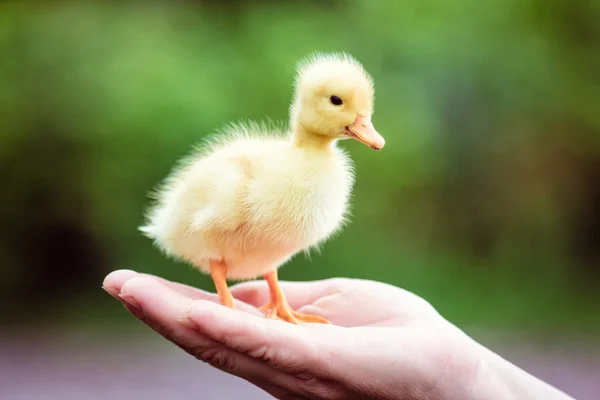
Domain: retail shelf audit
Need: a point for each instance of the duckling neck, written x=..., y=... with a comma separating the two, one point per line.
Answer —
x=305, y=138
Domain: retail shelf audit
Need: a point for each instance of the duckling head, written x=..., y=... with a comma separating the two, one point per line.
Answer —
x=333, y=100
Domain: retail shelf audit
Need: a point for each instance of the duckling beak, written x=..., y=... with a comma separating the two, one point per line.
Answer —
x=362, y=129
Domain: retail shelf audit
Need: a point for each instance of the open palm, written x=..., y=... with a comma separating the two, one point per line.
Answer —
x=383, y=342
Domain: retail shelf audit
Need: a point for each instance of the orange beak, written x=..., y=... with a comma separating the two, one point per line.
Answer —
x=363, y=130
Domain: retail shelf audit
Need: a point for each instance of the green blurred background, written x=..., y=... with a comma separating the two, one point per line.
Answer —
x=485, y=201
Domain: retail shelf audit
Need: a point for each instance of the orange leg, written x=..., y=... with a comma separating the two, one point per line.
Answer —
x=278, y=308
x=218, y=271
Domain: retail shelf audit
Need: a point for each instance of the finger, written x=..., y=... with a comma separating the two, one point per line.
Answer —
x=168, y=330
x=279, y=344
x=116, y=279
x=297, y=294
x=164, y=309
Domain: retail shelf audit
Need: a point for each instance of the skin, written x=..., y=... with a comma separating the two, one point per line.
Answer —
x=384, y=342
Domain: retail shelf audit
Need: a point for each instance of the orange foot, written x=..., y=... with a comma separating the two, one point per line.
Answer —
x=278, y=308
x=282, y=311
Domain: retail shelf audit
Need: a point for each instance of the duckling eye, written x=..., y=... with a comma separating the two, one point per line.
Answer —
x=336, y=101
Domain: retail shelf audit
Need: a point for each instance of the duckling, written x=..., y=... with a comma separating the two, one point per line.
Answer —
x=247, y=201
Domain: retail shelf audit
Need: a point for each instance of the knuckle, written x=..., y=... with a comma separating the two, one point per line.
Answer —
x=265, y=353
x=323, y=390
x=217, y=357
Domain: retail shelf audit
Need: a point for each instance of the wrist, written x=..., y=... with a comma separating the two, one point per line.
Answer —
x=497, y=378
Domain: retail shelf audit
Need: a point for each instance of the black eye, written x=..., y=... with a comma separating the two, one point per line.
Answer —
x=335, y=100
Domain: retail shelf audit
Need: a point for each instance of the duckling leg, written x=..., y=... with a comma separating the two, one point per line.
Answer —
x=278, y=308
x=218, y=271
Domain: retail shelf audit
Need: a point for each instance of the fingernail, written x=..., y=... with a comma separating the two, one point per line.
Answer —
x=130, y=300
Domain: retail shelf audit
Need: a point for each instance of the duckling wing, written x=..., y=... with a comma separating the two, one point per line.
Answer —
x=207, y=193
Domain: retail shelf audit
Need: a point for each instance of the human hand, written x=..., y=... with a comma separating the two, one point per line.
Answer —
x=384, y=342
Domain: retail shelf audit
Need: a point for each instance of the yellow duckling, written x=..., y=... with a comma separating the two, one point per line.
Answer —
x=244, y=204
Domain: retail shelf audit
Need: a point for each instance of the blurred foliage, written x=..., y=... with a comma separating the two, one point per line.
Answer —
x=485, y=201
